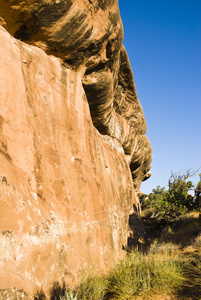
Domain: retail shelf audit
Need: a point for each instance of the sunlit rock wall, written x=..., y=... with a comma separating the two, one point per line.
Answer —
x=73, y=150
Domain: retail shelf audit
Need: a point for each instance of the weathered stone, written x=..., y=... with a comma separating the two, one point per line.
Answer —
x=73, y=149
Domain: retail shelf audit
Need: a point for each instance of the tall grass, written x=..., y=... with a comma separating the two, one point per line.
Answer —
x=69, y=295
x=138, y=275
x=93, y=287
x=192, y=269
x=192, y=273
x=166, y=270
x=158, y=272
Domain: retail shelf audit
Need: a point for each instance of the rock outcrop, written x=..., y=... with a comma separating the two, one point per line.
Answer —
x=73, y=150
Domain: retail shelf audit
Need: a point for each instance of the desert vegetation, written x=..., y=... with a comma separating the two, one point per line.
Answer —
x=166, y=272
x=170, y=265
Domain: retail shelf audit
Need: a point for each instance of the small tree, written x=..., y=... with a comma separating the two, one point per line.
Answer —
x=178, y=190
x=167, y=204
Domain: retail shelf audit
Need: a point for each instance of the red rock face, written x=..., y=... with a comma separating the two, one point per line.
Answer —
x=73, y=149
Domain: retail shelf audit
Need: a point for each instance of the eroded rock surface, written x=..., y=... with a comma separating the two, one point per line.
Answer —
x=73, y=150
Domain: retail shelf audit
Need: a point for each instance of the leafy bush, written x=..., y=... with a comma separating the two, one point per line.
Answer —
x=168, y=204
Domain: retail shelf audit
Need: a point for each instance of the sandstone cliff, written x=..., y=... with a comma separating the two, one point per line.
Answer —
x=73, y=150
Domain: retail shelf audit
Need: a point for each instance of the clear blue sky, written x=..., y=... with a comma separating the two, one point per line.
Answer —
x=163, y=41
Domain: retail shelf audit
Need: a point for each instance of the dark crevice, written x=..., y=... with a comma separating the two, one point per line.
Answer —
x=5, y=154
x=101, y=66
x=109, y=49
x=22, y=33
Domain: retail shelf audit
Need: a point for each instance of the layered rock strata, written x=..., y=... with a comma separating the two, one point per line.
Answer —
x=73, y=149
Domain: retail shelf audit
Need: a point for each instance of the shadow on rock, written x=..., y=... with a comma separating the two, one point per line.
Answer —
x=137, y=238
x=56, y=292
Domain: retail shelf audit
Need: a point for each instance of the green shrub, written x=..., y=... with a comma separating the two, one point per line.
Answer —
x=168, y=204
